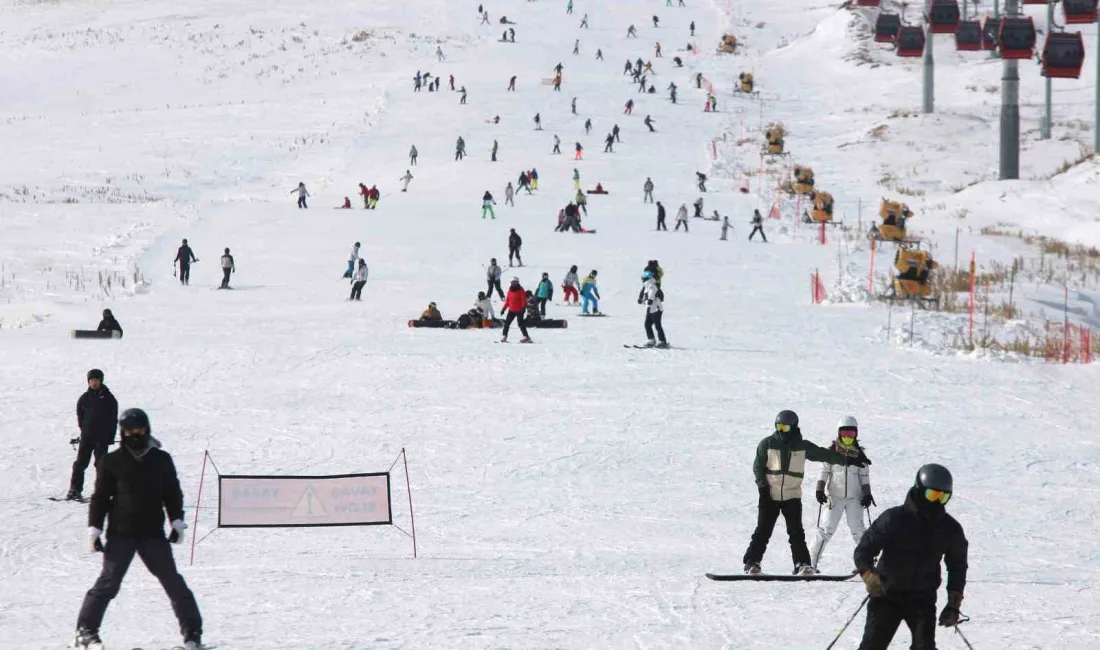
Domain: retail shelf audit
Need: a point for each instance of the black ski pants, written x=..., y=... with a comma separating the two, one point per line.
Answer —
x=185, y=274
x=357, y=290
x=494, y=284
x=542, y=307
x=89, y=446
x=681, y=223
x=513, y=252
x=302, y=202
x=648, y=196
x=518, y=317
x=885, y=614
x=225, y=277
x=757, y=229
x=661, y=223
x=767, y=514
x=156, y=554
x=653, y=321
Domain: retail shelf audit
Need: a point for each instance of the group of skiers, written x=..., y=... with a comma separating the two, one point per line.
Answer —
x=185, y=257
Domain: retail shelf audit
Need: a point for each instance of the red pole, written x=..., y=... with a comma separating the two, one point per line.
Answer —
x=871, y=273
x=1065, y=325
x=972, y=274
x=412, y=520
x=823, y=240
x=198, y=502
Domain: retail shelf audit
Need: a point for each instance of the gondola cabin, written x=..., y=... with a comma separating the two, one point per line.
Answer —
x=991, y=29
x=1033, y=2
x=910, y=41
x=867, y=3
x=1063, y=55
x=886, y=27
x=1016, y=38
x=943, y=15
x=968, y=38
x=1079, y=12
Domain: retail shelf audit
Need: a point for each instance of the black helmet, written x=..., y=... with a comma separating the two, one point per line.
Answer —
x=134, y=419
x=934, y=477
x=787, y=417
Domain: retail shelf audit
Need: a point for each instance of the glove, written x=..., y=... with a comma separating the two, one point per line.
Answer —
x=765, y=494
x=861, y=462
x=949, y=617
x=176, y=536
x=821, y=498
x=639, y=301
x=867, y=500
x=94, y=543
x=872, y=582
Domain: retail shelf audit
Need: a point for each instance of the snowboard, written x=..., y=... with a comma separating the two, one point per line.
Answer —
x=94, y=334
x=592, y=315
x=63, y=499
x=778, y=577
x=179, y=647
x=646, y=347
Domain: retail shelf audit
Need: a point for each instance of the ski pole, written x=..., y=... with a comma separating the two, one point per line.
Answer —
x=819, y=515
x=963, y=619
x=850, y=619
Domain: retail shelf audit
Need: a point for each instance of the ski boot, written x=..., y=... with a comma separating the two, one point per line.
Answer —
x=663, y=345
x=651, y=343
x=802, y=569
x=504, y=339
x=87, y=640
x=74, y=495
x=752, y=568
x=193, y=641
x=526, y=339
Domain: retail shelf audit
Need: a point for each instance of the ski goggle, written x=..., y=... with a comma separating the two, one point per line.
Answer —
x=937, y=496
x=847, y=440
x=785, y=428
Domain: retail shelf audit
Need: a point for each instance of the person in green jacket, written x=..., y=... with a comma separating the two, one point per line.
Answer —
x=779, y=468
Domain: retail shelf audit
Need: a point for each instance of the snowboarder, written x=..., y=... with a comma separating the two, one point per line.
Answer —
x=96, y=413
x=184, y=256
x=346, y=205
x=631, y=32
x=648, y=189
x=681, y=218
x=557, y=145
x=452, y=80
x=698, y=79
x=514, y=244
x=487, y=204
x=588, y=126
x=725, y=228
x=778, y=468
x=574, y=105
x=493, y=276
x=431, y=314
x=412, y=156
x=582, y=202
x=460, y=149
x=649, y=123
x=512, y=34
x=599, y=55
x=569, y=7
x=641, y=83
x=109, y=323
x=657, y=49
x=629, y=108
x=493, y=152
x=462, y=99
x=584, y=21
x=701, y=179
x=757, y=226
x=698, y=205
x=849, y=489
x=578, y=152
x=484, y=308
x=302, y=194
x=653, y=298
x=544, y=293
x=558, y=68
x=405, y=181
x=608, y=142
x=538, y=122
x=661, y=217
x=353, y=258
x=439, y=53
x=910, y=540
x=509, y=195
x=692, y=26
x=515, y=304
x=577, y=46
x=512, y=83
x=678, y=62
x=358, y=280
x=655, y=22
x=228, y=267
x=615, y=132
x=417, y=80
x=569, y=285
x=135, y=485
x=534, y=178
x=590, y=294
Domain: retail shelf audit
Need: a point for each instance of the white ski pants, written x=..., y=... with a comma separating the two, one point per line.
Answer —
x=838, y=508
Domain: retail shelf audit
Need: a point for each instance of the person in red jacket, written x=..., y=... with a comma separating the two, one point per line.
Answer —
x=515, y=304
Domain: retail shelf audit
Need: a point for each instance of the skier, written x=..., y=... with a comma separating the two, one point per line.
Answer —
x=655, y=22
x=698, y=79
x=693, y=28
x=681, y=218
x=405, y=181
x=641, y=79
x=493, y=276
x=584, y=21
x=512, y=83
x=912, y=539
x=648, y=189
x=629, y=108
x=672, y=92
x=590, y=294
x=452, y=80
x=569, y=7
x=228, y=267
x=509, y=195
x=569, y=285
x=608, y=142
x=599, y=55
x=557, y=145
x=302, y=194
x=462, y=99
x=657, y=48
x=654, y=301
x=698, y=205
x=493, y=152
x=582, y=202
x=849, y=489
x=534, y=176
x=353, y=258
x=631, y=32
x=757, y=226
x=649, y=124
x=515, y=304
x=588, y=126
x=96, y=412
x=358, y=280
x=538, y=122
x=544, y=293
x=574, y=105
x=578, y=153
x=615, y=132
x=778, y=469
x=460, y=149
x=725, y=228
x=577, y=46
x=514, y=244
x=372, y=197
x=701, y=179
x=417, y=80
x=487, y=204
x=512, y=34
x=412, y=156
x=661, y=217
x=184, y=256
x=439, y=53
x=135, y=485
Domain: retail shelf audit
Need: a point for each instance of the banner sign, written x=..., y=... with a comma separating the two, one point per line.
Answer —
x=289, y=501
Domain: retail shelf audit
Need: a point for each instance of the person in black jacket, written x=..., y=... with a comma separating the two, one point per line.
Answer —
x=135, y=486
x=910, y=540
x=96, y=412
x=184, y=256
x=514, y=244
x=661, y=217
x=109, y=324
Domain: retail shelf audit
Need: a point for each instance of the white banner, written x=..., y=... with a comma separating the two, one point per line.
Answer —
x=283, y=501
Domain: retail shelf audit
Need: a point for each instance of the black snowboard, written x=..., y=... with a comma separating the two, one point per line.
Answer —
x=63, y=499
x=95, y=334
x=778, y=577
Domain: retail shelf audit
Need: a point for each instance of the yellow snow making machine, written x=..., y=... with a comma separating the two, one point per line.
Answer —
x=912, y=282
x=803, y=180
x=822, y=211
x=745, y=82
x=728, y=44
x=775, y=143
x=894, y=216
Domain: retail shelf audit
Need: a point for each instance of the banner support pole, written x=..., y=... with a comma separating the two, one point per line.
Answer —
x=408, y=486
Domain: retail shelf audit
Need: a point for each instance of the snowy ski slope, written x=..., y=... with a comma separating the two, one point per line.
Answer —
x=568, y=494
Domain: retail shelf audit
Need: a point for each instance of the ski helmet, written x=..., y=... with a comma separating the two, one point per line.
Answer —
x=935, y=477
x=847, y=422
x=134, y=419
x=789, y=418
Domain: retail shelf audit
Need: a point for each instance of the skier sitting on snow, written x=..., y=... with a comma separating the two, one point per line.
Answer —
x=531, y=314
x=484, y=307
x=431, y=313
x=347, y=204
x=109, y=324
x=849, y=488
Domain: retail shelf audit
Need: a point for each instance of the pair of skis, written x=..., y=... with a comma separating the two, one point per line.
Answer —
x=778, y=577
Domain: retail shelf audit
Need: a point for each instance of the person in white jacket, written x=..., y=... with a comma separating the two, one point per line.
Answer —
x=484, y=306
x=682, y=218
x=845, y=488
x=358, y=280
x=353, y=258
x=653, y=298
x=405, y=181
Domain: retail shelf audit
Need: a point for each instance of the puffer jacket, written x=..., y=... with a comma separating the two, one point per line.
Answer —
x=844, y=480
x=485, y=308
x=516, y=301
x=654, y=298
x=570, y=280
x=780, y=463
x=361, y=273
x=589, y=288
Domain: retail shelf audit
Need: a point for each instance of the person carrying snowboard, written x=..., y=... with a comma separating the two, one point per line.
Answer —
x=544, y=293
x=514, y=244
x=778, y=469
x=353, y=257
x=135, y=486
x=757, y=226
x=515, y=305
x=302, y=194
x=487, y=204
x=96, y=415
x=569, y=285
x=228, y=267
x=849, y=489
x=492, y=274
x=405, y=181
x=654, y=299
x=910, y=541
x=358, y=280
x=184, y=256
x=590, y=294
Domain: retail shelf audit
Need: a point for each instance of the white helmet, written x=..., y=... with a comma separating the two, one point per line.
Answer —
x=847, y=422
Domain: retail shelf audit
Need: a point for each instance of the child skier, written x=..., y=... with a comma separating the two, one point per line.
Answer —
x=653, y=298
x=778, y=469
x=484, y=307
x=590, y=293
x=569, y=285
x=544, y=293
x=849, y=488
x=487, y=204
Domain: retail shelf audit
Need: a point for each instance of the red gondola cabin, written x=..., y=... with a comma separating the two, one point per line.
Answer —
x=991, y=29
x=886, y=27
x=943, y=15
x=910, y=41
x=868, y=3
x=968, y=38
x=1079, y=12
x=1063, y=55
x=1016, y=38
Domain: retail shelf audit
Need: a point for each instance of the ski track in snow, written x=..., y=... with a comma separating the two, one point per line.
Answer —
x=570, y=494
